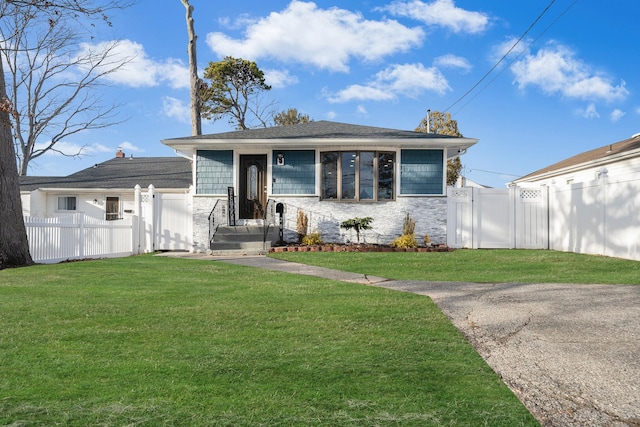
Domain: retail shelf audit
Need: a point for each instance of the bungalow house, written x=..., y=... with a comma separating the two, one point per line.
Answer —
x=620, y=160
x=111, y=190
x=325, y=171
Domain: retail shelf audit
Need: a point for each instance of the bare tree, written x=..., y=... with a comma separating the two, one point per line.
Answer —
x=196, y=120
x=14, y=246
x=51, y=83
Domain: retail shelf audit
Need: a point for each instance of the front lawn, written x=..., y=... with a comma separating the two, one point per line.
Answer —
x=480, y=266
x=151, y=341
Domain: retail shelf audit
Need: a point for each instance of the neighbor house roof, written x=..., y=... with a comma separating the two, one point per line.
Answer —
x=121, y=173
x=600, y=156
x=313, y=134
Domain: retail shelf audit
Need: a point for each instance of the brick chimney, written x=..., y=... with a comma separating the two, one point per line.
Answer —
x=119, y=153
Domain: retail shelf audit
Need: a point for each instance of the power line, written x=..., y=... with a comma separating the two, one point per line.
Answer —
x=516, y=58
x=503, y=57
x=493, y=172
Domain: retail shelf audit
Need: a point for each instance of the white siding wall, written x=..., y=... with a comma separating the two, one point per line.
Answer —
x=620, y=170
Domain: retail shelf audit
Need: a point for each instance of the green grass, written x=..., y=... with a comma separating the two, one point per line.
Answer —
x=154, y=341
x=481, y=266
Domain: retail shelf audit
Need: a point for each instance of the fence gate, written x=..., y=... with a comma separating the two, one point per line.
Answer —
x=489, y=218
x=165, y=221
x=172, y=222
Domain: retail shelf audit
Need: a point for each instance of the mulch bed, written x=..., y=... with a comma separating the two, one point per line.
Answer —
x=356, y=248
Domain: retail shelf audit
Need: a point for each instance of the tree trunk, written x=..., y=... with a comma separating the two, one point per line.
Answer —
x=196, y=121
x=14, y=246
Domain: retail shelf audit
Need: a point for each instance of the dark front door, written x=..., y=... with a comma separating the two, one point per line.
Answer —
x=253, y=186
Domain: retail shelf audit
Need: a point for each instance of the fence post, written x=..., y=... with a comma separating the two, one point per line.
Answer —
x=603, y=177
x=81, y=234
x=151, y=221
x=135, y=221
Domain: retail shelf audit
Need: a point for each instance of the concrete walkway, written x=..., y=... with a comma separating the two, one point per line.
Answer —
x=571, y=353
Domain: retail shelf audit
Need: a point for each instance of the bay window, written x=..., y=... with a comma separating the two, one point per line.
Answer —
x=357, y=175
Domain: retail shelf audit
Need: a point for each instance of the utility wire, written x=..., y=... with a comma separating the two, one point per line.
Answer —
x=503, y=57
x=515, y=59
x=493, y=172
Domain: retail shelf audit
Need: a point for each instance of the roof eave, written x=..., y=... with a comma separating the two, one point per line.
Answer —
x=578, y=167
x=190, y=146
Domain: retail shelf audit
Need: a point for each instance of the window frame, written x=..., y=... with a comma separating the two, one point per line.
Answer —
x=375, y=168
x=66, y=209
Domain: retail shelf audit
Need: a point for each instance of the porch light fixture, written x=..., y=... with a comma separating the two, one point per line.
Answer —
x=280, y=159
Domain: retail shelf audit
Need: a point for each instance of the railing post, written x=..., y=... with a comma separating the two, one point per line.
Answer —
x=231, y=202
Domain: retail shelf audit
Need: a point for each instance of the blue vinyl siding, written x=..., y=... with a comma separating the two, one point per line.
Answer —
x=421, y=172
x=297, y=175
x=214, y=171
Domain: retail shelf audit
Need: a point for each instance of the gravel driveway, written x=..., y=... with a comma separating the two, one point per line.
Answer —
x=570, y=352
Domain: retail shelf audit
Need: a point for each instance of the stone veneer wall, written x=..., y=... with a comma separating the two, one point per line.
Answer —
x=430, y=214
x=202, y=206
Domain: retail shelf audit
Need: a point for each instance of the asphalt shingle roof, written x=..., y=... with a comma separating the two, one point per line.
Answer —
x=318, y=130
x=601, y=153
x=127, y=172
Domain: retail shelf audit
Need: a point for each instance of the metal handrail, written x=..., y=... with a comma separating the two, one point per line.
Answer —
x=217, y=217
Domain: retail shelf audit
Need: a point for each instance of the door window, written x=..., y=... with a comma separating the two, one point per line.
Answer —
x=112, y=208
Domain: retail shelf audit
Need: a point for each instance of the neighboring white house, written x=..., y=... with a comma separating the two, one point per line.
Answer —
x=329, y=171
x=620, y=160
x=153, y=191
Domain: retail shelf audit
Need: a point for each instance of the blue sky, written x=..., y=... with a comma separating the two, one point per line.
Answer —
x=570, y=85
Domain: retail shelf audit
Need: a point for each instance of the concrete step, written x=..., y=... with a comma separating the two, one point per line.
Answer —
x=243, y=238
x=253, y=246
x=243, y=234
x=235, y=252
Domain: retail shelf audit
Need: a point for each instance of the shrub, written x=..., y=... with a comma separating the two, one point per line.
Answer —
x=312, y=239
x=409, y=226
x=405, y=241
x=357, y=224
x=302, y=225
x=427, y=240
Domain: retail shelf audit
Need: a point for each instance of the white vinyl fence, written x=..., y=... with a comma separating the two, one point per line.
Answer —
x=77, y=236
x=156, y=222
x=599, y=217
x=489, y=218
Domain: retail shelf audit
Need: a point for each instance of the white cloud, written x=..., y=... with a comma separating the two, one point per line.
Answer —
x=361, y=110
x=325, y=38
x=556, y=71
x=443, y=13
x=510, y=46
x=140, y=70
x=176, y=109
x=452, y=61
x=398, y=79
x=616, y=115
x=590, y=112
x=66, y=148
x=126, y=146
x=331, y=115
x=279, y=78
